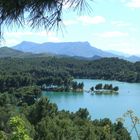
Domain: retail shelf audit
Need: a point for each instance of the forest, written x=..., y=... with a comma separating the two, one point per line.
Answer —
x=19, y=72
x=25, y=115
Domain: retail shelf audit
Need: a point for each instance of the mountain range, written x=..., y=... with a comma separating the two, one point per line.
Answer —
x=78, y=50
x=82, y=49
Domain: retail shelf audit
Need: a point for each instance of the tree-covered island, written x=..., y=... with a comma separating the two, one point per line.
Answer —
x=62, y=86
x=104, y=89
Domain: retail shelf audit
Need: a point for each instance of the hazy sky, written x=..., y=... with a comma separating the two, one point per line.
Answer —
x=113, y=25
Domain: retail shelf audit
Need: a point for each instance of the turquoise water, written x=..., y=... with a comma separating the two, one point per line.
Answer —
x=101, y=106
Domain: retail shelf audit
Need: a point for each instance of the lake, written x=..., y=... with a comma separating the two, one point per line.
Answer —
x=101, y=106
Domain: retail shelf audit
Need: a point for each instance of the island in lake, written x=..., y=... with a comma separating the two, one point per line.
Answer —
x=104, y=89
x=71, y=86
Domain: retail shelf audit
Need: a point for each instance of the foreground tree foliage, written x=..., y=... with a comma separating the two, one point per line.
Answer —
x=37, y=13
x=19, y=131
x=43, y=121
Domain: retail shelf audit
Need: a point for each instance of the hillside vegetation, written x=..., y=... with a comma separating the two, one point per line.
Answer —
x=26, y=116
x=15, y=72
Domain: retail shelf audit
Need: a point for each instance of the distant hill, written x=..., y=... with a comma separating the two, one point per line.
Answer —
x=119, y=53
x=9, y=52
x=78, y=50
x=125, y=56
x=82, y=49
x=133, y=58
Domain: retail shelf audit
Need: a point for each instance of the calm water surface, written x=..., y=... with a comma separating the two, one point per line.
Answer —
x=101, y=106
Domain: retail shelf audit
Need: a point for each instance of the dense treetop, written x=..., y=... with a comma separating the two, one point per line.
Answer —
x=32, y=70
x=42, y=121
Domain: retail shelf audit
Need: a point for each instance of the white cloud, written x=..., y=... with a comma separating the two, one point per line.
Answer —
x=120, y=44
x=53, y=39
x=17, y=34
x=113, y=34
x=22, y=35
x=120, y=23
x=85, y=20
x=44, y=33
x=10, y=42
x=133, y=3
x=123, y=1
x=125, y=47
x=14, y=38
x=28, y=33
x=69, y=22
x=133, y=29
x=92, y=20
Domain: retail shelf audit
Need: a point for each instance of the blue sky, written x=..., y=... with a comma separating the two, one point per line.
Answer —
x=112, y=25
